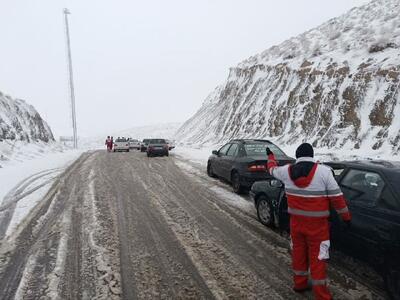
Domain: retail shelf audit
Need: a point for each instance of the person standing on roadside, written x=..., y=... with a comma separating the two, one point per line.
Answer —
x=311, y=189
x=107, y=143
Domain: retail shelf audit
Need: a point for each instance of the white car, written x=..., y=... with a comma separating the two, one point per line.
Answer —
x=121, y=144
x=134, y=144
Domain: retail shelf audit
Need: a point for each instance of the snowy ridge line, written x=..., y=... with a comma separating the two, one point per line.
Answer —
x=335, y=86
x=21, y=121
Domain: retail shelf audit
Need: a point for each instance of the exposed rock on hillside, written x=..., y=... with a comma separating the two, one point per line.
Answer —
x=20, y=121
x=335, y=86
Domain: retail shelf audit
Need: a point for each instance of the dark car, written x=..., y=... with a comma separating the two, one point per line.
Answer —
x=157, y=147
x=143, y=145
x=372, y=191
x=243, y=162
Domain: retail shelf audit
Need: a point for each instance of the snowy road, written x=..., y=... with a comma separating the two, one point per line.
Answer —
x=121, y=225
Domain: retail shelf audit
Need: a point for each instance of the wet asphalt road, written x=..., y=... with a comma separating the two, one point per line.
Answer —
x=121, y=225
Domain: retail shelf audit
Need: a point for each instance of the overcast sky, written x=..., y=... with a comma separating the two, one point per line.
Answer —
x=139, y=62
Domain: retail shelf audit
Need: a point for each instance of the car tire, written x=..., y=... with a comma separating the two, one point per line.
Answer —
x=235, y=181
x=210, y=171
x=127, y=150
x=392, y=280
x=264, y=211
x=148, y=154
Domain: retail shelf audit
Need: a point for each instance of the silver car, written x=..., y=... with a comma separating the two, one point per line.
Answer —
x=134, y=144
x=121, y=144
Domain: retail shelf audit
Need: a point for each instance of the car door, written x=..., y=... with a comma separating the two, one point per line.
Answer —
x=362, y=189
x=228, y=160
x=217, y=163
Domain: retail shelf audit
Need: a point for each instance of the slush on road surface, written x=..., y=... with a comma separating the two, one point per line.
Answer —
x=124, y=226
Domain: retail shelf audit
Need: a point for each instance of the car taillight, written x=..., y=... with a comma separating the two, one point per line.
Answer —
x=257, y=168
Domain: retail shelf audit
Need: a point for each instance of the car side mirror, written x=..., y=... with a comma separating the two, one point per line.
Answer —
x=215, y=152
x=275, y=183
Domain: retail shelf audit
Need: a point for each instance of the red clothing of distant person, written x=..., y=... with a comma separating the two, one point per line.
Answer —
x=109, y=144
x=310, y=189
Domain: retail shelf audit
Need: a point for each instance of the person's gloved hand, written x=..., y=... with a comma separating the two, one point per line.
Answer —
x=269, y=151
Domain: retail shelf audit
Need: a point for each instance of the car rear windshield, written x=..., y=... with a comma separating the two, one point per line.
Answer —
x=259, y=149
x=120, y=140
x=157, y=141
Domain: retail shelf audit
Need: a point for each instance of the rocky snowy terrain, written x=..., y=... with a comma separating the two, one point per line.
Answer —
x=336, y=86
x=23, y=132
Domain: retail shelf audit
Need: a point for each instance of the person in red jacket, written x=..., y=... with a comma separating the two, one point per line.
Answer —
x=311, y=190
x=109, y=143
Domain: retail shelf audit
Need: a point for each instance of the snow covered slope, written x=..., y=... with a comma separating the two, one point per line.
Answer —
x=336, y=86
x=20, y=121
x=23, y=133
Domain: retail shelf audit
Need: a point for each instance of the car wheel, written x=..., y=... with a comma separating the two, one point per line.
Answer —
x=148, y=154
x=210, y=170
x=264, y=211
x=392, y=281
x=127, y=150
x=235, y=181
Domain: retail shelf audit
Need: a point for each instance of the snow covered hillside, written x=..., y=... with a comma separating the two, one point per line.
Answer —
x=23, y=133
x=20, y=121
x=336, y=86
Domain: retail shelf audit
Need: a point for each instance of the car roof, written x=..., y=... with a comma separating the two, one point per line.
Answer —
x=251, y=141
x=384, y=165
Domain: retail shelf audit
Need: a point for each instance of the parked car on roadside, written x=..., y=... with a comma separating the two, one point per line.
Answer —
x=121, y=144
x=134, y=144
x=157, y=147
x=372, y=191
x=243, y=162
x=143, y=145
x=171, y=144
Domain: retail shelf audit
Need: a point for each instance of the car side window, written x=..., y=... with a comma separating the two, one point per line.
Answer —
x=224, y=149
x=233, y=150
x=388, y=201
x=361, y=186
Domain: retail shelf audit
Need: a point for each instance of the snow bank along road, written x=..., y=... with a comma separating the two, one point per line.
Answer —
x=121, y=225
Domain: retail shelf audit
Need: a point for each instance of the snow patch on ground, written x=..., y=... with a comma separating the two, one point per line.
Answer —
x=24, y=184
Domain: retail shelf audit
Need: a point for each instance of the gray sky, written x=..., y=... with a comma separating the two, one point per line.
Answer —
x=139, y=62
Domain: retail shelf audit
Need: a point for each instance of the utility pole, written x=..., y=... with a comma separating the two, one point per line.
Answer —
x=71, y=79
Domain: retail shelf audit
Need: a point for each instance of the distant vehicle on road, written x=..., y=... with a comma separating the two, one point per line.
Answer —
x=121, y=144
x=157, y=147
x=134, y=144
x=143, y=145
x=171, y=144
x=372, y=191
x=243, y=162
